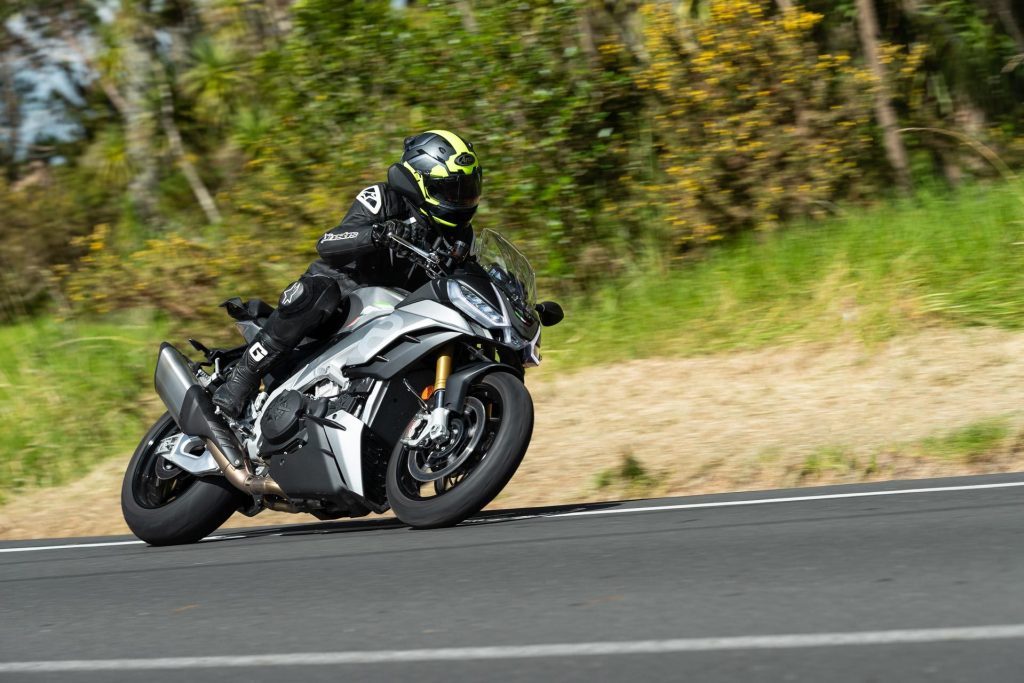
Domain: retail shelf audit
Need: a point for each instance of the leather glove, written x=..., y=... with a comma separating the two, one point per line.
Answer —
x=381, y=231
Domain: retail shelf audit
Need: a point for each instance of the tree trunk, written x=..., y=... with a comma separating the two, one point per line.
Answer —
x=188, y=169
x=627, y=14
x=139, y=127
x=585, y=27
x=1005, y=12
x=867, y=22
x=468, y=15
x=106, y=85
x=12, y=115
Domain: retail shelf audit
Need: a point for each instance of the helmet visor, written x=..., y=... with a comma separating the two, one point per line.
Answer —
x=457, y=190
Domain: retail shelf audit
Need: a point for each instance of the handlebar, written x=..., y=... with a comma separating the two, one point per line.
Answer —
x=436, y=263
x=427, y=260
x=412, y=247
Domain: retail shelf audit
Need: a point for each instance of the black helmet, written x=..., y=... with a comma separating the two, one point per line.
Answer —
x=448, y=174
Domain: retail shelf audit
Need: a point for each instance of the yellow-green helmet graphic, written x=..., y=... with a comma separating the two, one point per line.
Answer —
x=448, y=174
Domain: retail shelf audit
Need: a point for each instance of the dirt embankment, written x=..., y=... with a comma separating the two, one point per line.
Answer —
x=739, y=421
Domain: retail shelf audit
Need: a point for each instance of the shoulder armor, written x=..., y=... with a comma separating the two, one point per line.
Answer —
x=382, y=202
x=372, y=198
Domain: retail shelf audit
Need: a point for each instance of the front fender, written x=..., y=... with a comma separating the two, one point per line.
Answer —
x=460, y=381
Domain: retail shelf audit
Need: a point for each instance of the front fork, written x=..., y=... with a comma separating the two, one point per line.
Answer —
x=430, y=427
x=441, y=374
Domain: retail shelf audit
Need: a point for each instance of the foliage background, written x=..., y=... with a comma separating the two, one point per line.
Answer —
x=612, y=132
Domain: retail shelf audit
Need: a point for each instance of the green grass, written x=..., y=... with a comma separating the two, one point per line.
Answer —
x=69, y=396
x=976, y=442
x=826, y=459
x=969, y=443
x=630, y=475
x=937, y=260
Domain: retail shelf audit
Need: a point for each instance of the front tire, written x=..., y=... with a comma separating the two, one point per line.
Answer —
x=172, y=509
x=484, y=475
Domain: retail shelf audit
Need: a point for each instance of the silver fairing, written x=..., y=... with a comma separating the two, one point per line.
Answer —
x=368, y=340
x=377, y=325
x=369, y=303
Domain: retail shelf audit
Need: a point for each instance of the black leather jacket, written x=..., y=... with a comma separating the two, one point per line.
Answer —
x=349, y=254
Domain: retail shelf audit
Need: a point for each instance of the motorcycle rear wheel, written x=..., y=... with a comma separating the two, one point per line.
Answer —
x=467, y=490
x=172, y=509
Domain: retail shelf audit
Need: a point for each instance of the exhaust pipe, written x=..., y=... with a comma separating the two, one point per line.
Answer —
x=173, y=378
x=190, y=406
x=243, y=479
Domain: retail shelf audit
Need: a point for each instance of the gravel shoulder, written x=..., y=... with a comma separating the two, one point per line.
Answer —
x=738, y=421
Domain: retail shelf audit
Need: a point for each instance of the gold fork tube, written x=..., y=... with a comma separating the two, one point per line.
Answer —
x=444, y=368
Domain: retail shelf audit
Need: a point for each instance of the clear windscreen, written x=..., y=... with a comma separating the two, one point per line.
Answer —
x=507, y=267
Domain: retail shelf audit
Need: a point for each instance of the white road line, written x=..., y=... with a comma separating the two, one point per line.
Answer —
x=462, y=654
x=105, y=544
x=610, y=511
x=70, y=545
x=756, y=501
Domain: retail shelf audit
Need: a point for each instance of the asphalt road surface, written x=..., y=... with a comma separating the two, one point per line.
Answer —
x=904, y=581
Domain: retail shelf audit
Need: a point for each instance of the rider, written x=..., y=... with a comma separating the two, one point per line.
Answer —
x=357, y=252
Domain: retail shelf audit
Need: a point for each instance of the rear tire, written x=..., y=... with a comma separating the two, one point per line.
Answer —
x=182, y=511
x=487, y=477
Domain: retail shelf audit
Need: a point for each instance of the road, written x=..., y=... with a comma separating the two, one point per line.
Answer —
x=902, y=581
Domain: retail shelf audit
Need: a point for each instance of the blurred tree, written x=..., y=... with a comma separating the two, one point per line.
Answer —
x=212, y=81
x=10, y=114
x=885, y=114
x=608, y=128
x=752, y=125
x=1010, y=21
x=131, y=66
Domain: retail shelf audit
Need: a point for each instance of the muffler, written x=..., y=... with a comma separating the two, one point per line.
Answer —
x=173, y=378
x=190, y=406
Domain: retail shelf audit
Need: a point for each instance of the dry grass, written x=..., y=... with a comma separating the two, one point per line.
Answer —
x=752, y=420
x=939, y=403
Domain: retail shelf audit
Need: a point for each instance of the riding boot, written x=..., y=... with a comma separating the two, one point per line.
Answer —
x=240, y=388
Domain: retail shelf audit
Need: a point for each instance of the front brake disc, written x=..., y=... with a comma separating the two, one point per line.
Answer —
x=452, y=456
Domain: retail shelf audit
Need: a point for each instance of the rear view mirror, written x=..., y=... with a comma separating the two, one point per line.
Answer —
x=404, y=183
x=550, y=313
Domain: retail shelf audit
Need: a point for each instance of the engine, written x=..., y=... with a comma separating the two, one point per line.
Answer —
x=300, y=453
x=286, y=420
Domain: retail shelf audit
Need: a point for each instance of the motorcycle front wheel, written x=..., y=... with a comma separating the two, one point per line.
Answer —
x=163, y=505
x=425, y=491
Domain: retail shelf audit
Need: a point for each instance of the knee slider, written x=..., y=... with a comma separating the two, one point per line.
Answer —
x=304, y=306
x=306, y=294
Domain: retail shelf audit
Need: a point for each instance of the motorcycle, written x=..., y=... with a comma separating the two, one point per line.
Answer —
x=416, y=404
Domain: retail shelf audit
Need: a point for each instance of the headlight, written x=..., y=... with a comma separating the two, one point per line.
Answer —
x=474, y=305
